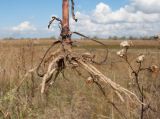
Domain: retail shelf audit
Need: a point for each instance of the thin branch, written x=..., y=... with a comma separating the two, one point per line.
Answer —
x=100, y=87
x=53, y=19
x=73, y=15
x=24, y=78
x=118, y=110
x=45, y=54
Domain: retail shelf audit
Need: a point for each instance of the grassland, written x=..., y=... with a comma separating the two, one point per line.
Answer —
x=72, y=97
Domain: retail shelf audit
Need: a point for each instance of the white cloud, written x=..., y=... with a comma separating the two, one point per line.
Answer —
x=26, y=29
x=126, y=21
x=137, y=18
x=147, y=6
x=25, y=26
x=123, y=15
x=102, y=8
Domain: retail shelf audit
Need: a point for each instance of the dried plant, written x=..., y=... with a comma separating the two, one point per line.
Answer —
x=65, y=57
x=123, y=53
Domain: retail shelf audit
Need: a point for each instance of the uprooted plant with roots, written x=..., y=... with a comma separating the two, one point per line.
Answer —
x=65, y=57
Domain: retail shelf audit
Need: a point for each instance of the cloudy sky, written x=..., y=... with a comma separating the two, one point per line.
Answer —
x=102, y=18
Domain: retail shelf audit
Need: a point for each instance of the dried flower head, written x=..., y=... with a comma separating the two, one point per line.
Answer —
x=157, y=37
x=126, y=44
x=121, y=53
x=89, y=80
x=140, y=59
x=154, y=68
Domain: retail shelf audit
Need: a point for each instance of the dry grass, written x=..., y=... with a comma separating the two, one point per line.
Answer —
x=72, y=97
x=84, y=43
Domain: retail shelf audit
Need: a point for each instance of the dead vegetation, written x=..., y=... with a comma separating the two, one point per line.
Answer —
x=66, y=96
x=20, y=97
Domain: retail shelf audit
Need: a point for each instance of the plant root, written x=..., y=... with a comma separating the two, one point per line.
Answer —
x=70, y=59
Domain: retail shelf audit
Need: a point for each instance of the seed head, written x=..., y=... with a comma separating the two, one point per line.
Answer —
x=126, y=44
x=154, y=68
x=89, y=80
x=121, y=53
x=140, y=59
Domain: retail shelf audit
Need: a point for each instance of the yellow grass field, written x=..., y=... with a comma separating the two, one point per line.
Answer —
x=72, y=97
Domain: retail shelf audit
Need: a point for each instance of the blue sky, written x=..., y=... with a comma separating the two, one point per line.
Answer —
x=13, y=12
x=37, y=13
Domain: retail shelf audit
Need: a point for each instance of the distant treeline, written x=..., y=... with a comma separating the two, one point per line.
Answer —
x=133, y=38
x=127, y=38
x=11, y=38
x=109, y=38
